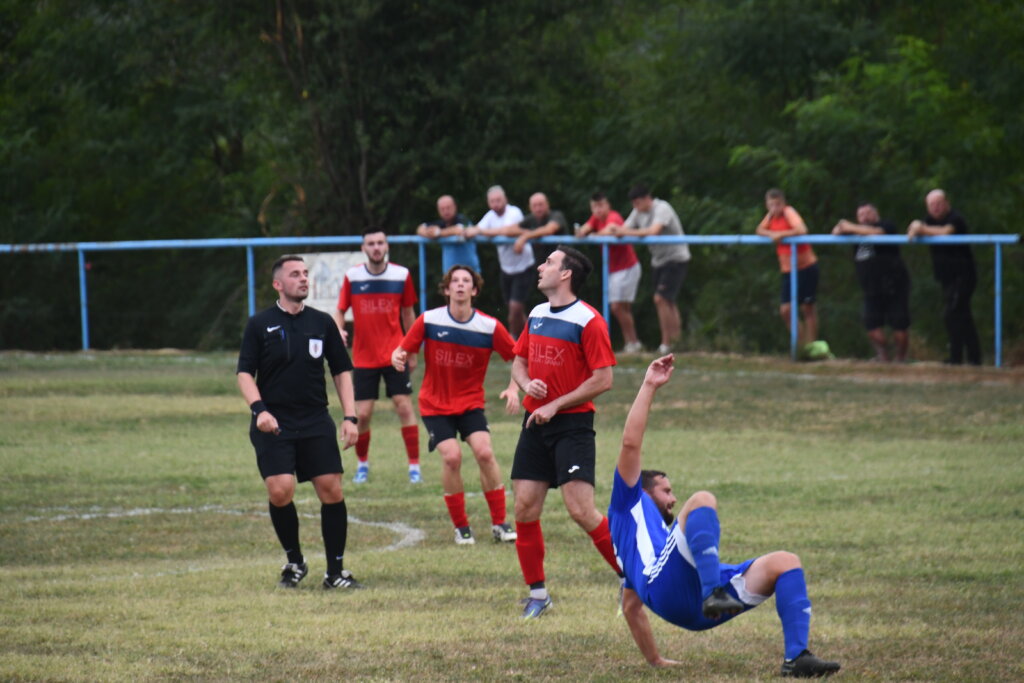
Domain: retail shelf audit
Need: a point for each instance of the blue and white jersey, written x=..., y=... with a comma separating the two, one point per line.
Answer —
x=638, y=533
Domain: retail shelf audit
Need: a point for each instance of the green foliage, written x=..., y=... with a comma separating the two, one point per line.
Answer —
x=128, y=120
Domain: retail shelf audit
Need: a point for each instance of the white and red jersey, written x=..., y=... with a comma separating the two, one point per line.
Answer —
x=563, y=346
x=376, y=302
x=456, y=355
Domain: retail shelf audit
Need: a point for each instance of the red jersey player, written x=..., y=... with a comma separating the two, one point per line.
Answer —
x=563, y=361
x=458, y=342
x=381, y=297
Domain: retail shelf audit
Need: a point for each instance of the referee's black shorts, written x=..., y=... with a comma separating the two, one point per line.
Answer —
x=306, y=453
x=557, y=452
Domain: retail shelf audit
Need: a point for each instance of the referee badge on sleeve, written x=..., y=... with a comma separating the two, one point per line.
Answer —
x=316, y=347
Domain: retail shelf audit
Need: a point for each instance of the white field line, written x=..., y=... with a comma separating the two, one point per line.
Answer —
x=408, y=536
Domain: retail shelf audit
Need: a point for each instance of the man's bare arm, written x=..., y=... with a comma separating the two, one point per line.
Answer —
x=640, y=627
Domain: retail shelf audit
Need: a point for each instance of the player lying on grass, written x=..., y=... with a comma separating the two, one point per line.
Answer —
x=671, y=564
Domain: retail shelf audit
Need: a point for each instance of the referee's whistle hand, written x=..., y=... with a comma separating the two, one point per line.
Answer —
x=265, y=422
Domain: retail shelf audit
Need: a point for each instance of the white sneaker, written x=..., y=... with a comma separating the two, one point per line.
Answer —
x=633, y=347
x=464, y=536
x=503, y=533
x=664, y=349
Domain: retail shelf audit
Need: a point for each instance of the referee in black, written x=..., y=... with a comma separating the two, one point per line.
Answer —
x=281, y=376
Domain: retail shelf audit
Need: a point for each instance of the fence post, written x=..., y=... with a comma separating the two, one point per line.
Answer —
x=83, y=300
x=794, y=312
x=250, y=270
x=423, y=276
x=999, y=305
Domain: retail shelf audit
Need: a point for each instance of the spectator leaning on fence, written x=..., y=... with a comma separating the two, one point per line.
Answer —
x=953, y=266
x=451, y=223
x=517, y=274
x=623, y=268
x=781, y=221
x=669, y=262
x=541, y=222
x=885, y=281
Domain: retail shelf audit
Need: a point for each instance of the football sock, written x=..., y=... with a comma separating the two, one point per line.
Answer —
x=702, y=532
x=363, y=447
x=456, y=503
x=794, y=610
x=496, y=503
x=334, y=527
x=411, y=437
x=414, y=468
x=530, y=550
x=286, y=524
x=539, y=593
x=602, y=538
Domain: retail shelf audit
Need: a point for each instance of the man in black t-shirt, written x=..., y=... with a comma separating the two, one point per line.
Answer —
x=953, y=266
x=885, y=281
x=281, y=377
x=540, y=222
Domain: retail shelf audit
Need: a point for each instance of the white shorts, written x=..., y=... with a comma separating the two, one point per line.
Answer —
x=622, y=284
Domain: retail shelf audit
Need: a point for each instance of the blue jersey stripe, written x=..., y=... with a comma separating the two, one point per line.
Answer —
x=556, y=329
x=454, y=335
x=377, y=287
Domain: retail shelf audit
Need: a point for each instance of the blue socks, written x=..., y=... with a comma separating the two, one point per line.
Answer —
x=794, y=610
x=702, y=532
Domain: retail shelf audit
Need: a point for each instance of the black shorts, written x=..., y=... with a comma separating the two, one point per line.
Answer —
x=443, y=427
x=516, y=287
x=891, y=308
x=306, y=454
x=366, y=382
x=806, y=285
x=557, y=452
x=668, y=279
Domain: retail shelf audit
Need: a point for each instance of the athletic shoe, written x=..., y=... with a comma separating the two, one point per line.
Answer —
x=414, y=477
x=633, y=347
x=503, y=533
x=808, y=666
x=342, y=580
x=291, y=574
x=362, y=473
x=535, y=607
x=464, y=536
x=664, y=350
x=720, y=604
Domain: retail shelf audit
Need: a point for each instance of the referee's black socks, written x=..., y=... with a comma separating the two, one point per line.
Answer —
x=286, y=524
x=334, y=526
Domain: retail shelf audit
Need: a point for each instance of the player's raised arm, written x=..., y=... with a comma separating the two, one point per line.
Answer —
x=658, y=373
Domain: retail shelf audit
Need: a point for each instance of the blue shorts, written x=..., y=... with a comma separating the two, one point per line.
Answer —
x=806, y=285
x=673, y=592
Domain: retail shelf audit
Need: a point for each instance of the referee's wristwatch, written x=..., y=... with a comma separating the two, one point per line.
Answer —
x=352, y=418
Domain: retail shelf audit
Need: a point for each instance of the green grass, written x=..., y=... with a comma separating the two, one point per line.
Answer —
x=134, y=542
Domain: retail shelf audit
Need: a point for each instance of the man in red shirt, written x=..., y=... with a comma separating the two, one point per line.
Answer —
x=459, y=340
x=623, y=268
x=563, y=361
x=381, y=296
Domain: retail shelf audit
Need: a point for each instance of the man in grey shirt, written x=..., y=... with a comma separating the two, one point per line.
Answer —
x=652, y=216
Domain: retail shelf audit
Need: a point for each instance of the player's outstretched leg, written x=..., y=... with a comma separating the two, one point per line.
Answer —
x=702, y=532
x=794, y=608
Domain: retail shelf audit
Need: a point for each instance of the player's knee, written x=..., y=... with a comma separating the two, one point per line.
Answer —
x=484, y=457
x=701, y=499
x=452, y=460
x=785, y=561
x=280, y=495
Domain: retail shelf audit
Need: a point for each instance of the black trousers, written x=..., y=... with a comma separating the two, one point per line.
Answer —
x=956, y=300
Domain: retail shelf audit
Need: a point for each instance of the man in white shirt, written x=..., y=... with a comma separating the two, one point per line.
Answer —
x=518, y=277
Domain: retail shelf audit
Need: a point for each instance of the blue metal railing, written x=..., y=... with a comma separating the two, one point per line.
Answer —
x=251, y=243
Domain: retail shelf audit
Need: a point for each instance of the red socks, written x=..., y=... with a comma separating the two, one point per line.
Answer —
x=411, y=437
x=456, y=503
x=602, y=538
x=496, y=503
x=363, y=446
x=530, y=549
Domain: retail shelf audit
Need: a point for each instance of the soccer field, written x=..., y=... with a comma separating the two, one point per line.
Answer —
x=135, y=545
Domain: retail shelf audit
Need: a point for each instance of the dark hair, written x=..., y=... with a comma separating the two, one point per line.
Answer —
x=372, y=229
x=598, y=197
x=579, y=264
x=478, y=281
x=276, y=268
x=775, y=193
x=647, y=478
x=862, y=204
x=639, y=190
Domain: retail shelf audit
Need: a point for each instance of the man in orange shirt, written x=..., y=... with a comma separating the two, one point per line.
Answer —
x=781, y=221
